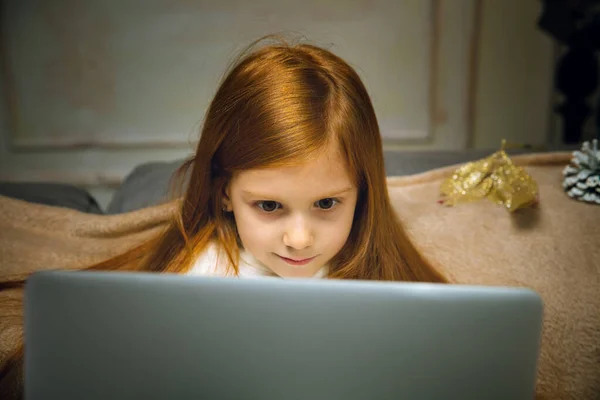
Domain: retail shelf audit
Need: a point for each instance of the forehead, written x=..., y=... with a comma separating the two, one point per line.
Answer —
x=325, y=172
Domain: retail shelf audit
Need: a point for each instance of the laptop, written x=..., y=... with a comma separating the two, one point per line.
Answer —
x=114, y=335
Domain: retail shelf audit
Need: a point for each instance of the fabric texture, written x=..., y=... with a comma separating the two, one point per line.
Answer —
x=552, y=249
x=52, y=194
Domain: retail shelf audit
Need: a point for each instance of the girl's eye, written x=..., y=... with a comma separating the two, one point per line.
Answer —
x=326, y=204
x=268, y=206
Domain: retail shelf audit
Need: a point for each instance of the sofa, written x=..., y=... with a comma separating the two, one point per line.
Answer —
x=148, y=183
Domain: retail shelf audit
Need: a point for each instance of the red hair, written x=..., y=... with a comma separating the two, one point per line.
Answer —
x=280, y=105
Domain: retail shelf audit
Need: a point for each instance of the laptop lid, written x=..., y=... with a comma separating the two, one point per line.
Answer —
x=101, y=335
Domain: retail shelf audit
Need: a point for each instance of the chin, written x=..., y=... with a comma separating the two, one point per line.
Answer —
x=307, y=271
x=297, y=274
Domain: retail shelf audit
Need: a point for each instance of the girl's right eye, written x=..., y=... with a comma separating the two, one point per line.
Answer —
x=268, y=206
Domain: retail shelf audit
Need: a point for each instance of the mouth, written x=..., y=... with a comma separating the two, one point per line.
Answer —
x=297, y=261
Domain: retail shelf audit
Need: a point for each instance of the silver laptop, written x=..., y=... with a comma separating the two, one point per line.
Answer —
x=100, y=335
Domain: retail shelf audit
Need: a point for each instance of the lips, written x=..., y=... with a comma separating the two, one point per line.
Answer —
x=297, y=261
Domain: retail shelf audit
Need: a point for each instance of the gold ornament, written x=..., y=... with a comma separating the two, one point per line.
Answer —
x=495, y=178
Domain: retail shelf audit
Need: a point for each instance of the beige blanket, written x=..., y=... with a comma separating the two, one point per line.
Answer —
x=554, y=249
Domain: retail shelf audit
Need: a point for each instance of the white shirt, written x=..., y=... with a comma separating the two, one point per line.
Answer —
x=214, y=263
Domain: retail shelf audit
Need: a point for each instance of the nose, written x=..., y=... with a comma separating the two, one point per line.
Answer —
x=297, y=234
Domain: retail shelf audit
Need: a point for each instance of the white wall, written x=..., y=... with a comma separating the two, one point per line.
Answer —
x=94, y=88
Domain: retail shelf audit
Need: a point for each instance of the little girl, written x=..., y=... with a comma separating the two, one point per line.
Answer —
x=287, y=180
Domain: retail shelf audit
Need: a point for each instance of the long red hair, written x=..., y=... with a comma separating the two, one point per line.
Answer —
x=279, y=105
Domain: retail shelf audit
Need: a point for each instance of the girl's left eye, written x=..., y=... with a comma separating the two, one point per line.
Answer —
x=268, y=206
x=326, y=204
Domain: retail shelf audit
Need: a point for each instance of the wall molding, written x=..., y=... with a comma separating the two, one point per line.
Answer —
x=452, y=61
x=81, y=178
x=112, y=140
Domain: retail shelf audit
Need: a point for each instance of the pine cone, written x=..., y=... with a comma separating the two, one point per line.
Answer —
x=582, y=176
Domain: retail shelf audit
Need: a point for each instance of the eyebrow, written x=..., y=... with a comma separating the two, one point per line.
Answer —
x=331, y=194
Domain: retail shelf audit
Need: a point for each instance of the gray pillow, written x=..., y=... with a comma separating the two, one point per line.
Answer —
x=52, y=194
x=147, y=185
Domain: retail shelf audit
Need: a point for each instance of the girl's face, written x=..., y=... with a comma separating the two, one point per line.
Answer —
x=294, y=220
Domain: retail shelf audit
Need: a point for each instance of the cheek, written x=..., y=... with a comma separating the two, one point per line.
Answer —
x=334, y=235
x=348, y=222
x=254, y=233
